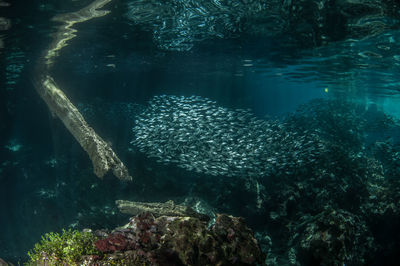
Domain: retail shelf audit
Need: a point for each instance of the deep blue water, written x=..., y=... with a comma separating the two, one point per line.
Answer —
x=265, y=56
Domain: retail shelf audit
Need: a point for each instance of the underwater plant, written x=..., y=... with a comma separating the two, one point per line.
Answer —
x=68, y=247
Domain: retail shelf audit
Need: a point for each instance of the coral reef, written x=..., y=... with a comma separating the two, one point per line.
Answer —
x=331, y=238
x=174, y=240
x=147, y=240
x=337, y=208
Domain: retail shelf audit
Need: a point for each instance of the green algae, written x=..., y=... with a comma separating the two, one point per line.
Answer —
x=68, y=247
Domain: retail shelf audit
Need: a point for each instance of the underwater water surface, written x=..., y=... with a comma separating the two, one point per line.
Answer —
x=285, y=113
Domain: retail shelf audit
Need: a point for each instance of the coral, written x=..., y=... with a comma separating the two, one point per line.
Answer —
x=146, y=240
x=113, y=243
x=236, y=244
x=183, y=241
x=334, y=238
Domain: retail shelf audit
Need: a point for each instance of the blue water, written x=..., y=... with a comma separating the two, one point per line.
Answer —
x=266, y=57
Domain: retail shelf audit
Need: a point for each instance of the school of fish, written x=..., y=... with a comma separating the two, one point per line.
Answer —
x=197, y=134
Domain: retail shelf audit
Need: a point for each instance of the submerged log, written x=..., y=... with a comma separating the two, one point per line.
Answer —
x=100, y=152
x=168, y=208
x=4, y=263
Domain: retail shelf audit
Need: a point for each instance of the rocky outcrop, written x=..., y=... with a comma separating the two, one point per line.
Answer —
x=174, y=240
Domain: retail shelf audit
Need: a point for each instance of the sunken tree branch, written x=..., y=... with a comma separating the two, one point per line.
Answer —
x=104, y=159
